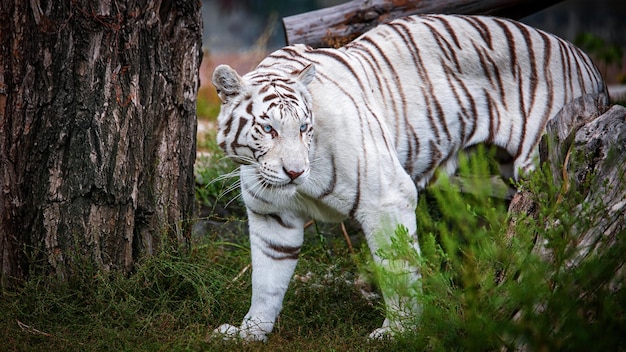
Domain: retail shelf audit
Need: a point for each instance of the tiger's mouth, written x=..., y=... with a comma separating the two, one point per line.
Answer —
x=277, y=185
x=280, y=184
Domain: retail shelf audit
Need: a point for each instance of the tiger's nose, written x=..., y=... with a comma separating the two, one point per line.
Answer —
x=293, y=174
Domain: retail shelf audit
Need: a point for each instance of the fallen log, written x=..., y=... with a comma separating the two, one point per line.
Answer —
x=586, y=155
x=338, y=25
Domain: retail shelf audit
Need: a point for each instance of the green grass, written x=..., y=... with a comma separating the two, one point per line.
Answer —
x=173, y=300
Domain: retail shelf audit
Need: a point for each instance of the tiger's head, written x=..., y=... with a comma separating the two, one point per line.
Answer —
x=266, y=123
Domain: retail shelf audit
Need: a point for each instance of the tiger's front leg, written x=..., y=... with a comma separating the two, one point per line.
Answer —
x=275, y=242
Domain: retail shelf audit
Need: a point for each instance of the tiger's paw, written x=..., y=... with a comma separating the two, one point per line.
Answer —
x=390, y=329
x=227, y=332
x=230, y=332
x=382, y=333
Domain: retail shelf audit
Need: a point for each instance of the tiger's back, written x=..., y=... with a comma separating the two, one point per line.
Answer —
x=435, y=85
x=351, y=132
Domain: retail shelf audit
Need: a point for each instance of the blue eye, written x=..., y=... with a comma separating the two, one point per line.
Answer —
x=267, y=128
x=304, y=127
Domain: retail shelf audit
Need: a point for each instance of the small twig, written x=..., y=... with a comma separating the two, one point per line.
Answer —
x=564, y=174
x=243, y=271
x=31, y=329
x=345, y=235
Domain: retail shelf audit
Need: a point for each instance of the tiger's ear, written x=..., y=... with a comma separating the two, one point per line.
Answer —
x=307, y=74
x=227, y=82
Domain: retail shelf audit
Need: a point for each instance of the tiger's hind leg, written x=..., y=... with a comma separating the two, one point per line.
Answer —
x=399, y=277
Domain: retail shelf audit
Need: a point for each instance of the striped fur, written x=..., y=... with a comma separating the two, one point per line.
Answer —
x=356, y=131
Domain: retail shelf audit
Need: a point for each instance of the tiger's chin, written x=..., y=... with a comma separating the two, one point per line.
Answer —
x=282, y=189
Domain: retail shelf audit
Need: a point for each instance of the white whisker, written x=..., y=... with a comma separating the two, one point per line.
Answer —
x=224, y=177
x=237, y=196
x=230, y=189
x=234, y=186
x=242, y=159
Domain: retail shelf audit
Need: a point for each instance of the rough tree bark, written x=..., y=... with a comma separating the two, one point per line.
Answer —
x=338, y=25
x=97, y=131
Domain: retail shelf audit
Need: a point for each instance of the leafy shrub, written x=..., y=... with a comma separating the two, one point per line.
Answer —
x=485, y=288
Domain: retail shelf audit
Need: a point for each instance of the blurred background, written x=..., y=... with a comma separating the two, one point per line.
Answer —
x=241, y=32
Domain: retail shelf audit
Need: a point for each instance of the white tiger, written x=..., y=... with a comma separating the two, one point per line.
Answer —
x=356, y=131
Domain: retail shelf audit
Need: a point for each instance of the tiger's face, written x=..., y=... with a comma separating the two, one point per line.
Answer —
x=266, y=123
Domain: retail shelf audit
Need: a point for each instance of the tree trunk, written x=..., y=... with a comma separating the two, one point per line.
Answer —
x=97, y=131
x=338, y=25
